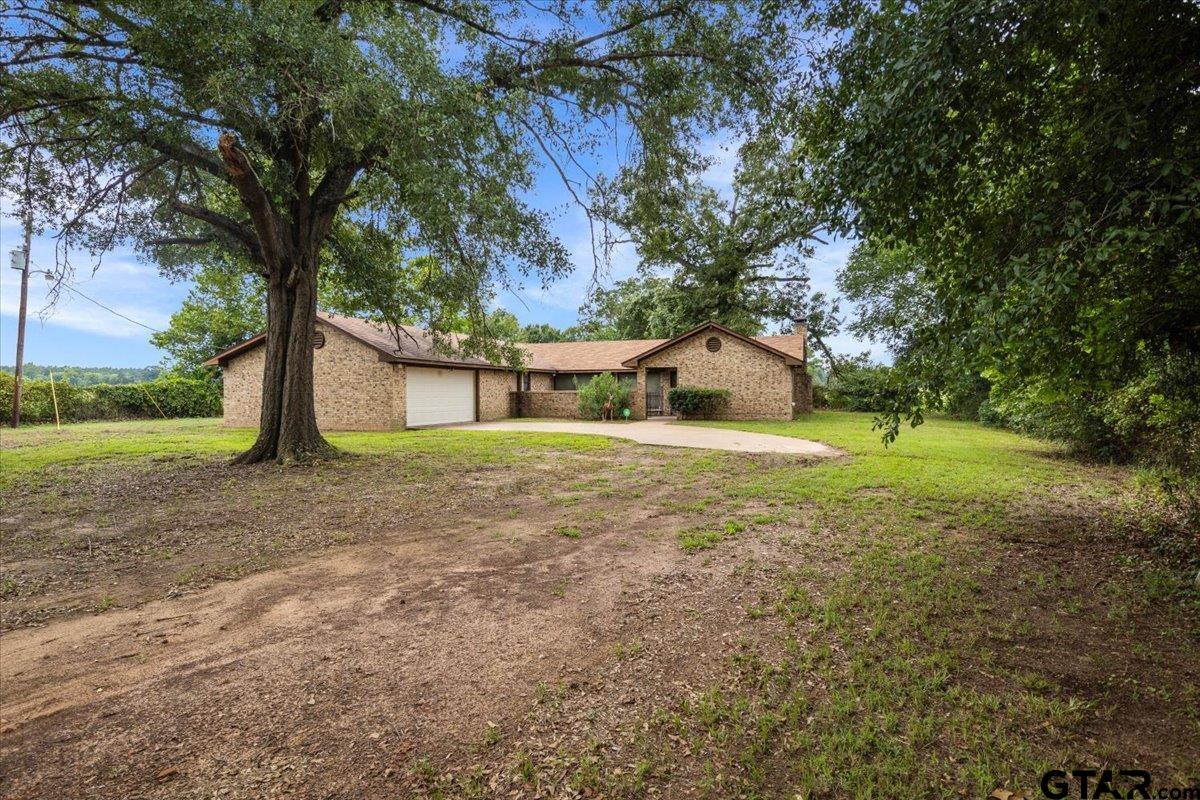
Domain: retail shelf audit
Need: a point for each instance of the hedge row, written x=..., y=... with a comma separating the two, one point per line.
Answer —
x=170, y=397
x=698, y=402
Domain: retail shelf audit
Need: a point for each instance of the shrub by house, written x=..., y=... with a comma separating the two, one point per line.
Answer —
x=698, y=402
x=594, y=394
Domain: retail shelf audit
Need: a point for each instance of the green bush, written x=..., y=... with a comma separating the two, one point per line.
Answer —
x=171, y=397
x=1152, y=418
x=37, y=401
x=698, y=402
x=176, y=397
x=966, y=399
x=820, y=396
x=594, y=393
x=858, y=386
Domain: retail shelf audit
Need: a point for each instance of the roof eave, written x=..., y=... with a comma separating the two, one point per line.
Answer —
x=788, y=359
x=431, y=362
x=229, y=352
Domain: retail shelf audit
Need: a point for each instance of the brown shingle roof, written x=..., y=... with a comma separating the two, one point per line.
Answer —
x=616, y=356
x=765, y=342
x=416, y=345
x=606, y=356
x=586, y=356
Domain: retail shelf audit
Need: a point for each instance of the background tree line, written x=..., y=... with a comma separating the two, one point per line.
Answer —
x=89, y=376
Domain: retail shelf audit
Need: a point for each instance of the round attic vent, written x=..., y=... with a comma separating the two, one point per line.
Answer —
x=318, y=340
x=713, y=344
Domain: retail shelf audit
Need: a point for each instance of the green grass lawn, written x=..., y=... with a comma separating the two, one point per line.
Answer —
x=931, y=662
x=954, y=613
x=917, y=645
x=33, y=449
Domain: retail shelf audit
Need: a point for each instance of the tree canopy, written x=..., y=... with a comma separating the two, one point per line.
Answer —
x=736, y=254
x=1026, y=179
x=291, y=134
x=225, y=305
x=641, y=307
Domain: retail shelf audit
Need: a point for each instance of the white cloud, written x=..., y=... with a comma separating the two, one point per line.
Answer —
x=569, y=292
x=77, y=313
x=121, y=282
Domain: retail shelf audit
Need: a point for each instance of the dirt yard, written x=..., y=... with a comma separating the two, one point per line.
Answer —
x=486, y=614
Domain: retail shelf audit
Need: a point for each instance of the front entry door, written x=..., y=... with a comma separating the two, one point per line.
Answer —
x=657, y=384
x=654, y=394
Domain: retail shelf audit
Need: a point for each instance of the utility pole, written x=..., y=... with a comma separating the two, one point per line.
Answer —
x=19, y=367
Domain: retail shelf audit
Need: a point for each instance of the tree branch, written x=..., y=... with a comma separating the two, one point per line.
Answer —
x=666, y=11
x=254, y=198
x=227, y=225
x=475, y=25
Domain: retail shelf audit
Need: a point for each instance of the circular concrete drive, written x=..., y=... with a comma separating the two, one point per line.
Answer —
x=664, y=433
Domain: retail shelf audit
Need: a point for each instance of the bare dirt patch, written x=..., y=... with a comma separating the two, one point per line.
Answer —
x=382, y=611
x=104, y=539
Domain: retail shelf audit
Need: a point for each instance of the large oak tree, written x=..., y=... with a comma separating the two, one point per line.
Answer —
x=290, y=133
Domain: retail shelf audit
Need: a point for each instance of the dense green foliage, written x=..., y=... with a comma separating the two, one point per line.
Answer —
x=1026, y=181
x=858, y=385
x=88, y=376
x=635, y=308
x=225, y=305
x=597, y=391
x=697, y=402
x=540, y=332
x=168, y=396
x=1038, y=165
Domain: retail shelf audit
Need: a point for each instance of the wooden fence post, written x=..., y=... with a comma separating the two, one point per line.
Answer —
x=54, y=397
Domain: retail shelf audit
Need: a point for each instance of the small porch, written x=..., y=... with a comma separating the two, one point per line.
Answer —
x=659, y=382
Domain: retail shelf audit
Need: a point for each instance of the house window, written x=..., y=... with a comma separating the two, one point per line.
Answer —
x=570, y=381
x=526, y=381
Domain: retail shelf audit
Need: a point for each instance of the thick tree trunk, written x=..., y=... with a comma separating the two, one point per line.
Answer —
x=288, y=422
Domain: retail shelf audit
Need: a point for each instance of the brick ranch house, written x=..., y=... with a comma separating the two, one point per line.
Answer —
x=363, y=381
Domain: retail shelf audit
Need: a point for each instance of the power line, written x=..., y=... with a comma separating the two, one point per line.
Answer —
x=71, y=288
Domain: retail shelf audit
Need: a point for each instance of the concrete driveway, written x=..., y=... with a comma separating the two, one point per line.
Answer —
x=663, y=432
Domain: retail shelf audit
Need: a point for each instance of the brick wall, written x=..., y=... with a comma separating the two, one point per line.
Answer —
x=637, y=399
x=495, y=386
x=802, y=397
x=759, y=382
x=353, y=389
x=400, y=396
x=242, y=388
x=563, y=405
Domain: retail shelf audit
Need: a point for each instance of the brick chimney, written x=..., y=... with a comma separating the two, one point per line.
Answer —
x=800, y=328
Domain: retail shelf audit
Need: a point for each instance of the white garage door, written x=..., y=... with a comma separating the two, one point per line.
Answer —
x=440, y=396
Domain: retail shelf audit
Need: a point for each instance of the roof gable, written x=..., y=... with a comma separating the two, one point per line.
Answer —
x=416, y=346
x=788, y=358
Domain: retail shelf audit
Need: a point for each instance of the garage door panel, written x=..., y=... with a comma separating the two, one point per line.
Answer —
x=439, y=396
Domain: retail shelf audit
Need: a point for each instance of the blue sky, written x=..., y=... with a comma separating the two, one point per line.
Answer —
x=76, y=332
